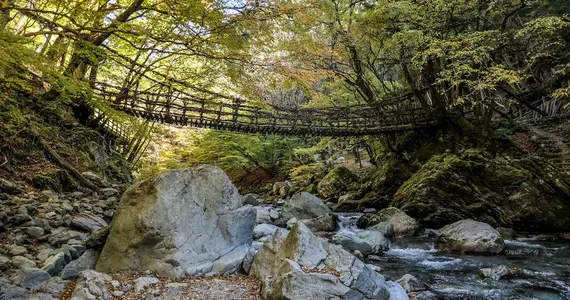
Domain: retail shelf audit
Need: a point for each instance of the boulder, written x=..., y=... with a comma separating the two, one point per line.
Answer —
x=302, y=266
x=336, y=182
x=9, y=187
x=469, y=236
x=526, y=194
x=263, y=230
x=179, y=223
x=366, y=242
x=506, y=233
x=305, y=206
x=86, y=261
x=97, y=238
x=326, y=223
x=22, y=262
x=396, y=291
x=403, y=224
x=411, y=284
x=88, y=222
x=31, y=277
x=55, y=263
x=250, y=199
x=386, y=228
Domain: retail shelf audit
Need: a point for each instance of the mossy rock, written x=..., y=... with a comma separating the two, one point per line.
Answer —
x=525, y=194
x=336, y=183
x=305, y=175
x=59, y=181
x=370, y=200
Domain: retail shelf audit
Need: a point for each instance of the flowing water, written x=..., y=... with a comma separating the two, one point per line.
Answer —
x=545, y=261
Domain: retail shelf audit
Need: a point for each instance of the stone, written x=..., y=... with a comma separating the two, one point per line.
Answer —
x=504, y=272
x=305, y=206
x=86, y=261
x=426, y=295
x=22, y=262
x=177, y=223
x=262, y=230
x=97, y=238
x=50, y=195
x=142, y=282
x=396, y=291
x=366, y=242
x=34, y=232
x=336, y=182
x=41, y=223
x=291, y=222
x=108, y=192
x=411, y=284
x=9, y=187
x=88, y=222
x=14, y=292
x=469, y=236
x=506, y=233
x=92, y=285
x=21, y=218
x=31, y=277
x=386, y=228
x=5, y=263
x=274, y=214
x=17, y=250
x=55, y=263
x=250, y=199
x=403, y=224
x=326, y=223
x=369, y=210
x=62, y=236
x=54, y=287
x=231, y=262
x=300, y=266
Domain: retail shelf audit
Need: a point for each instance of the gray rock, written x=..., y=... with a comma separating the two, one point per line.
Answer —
x=97, y=239
x=176, y=223
x=62, y=236
x=88, y=222
x=470, y=236
x=396, y=291
x=497, y=272
x=231, y=262
x=54, y=287
x=108, y=192
x=250, y=199
x=34, y=232
x=274, y=214
x=285, y=263
x=22, y=262
x=411, y=284
x=31, y=277
x=262, y=215
x=91, y=285
x=327, y=222
x=367, y=242
x=291, y=222
x=426, y=295
x=17, y=250
x=386, y=228
x=5, y=263
x=404, y=225
x=506, y=233
x=12, y=292
x=369, y=210
x=55, y=263
x=142, y=282
x=306, y=206
x=87, y=261
x=21, y=218
x=262, y=230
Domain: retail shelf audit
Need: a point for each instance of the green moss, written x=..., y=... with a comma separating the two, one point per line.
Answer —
x=336, y=183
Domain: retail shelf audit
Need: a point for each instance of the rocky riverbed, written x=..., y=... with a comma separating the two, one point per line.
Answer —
x=188, y=234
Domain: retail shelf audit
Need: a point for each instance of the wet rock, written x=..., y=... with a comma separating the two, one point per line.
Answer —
x=92, y=285
x=295, y=267
x=506, y=233
x=367, y=220
x=179, y=222
x=411, y=284
x=305, y=206
x=403, y=224
x=386, y=228
x=88, y=222
x=31, y=277
x=326, y=223
x=496, y=273
x=366, y=242
x=85, y=262
x=469, y=236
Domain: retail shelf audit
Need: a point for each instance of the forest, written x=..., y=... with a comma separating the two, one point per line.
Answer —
x=306, y=149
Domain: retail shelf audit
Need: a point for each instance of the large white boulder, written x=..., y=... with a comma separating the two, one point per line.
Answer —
x=183, y=222
x=470, y=236
x=302, y=266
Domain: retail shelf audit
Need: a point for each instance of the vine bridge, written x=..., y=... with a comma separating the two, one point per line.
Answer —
x=232, y=114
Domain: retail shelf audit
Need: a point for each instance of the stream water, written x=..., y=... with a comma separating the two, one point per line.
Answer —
x=545, y=260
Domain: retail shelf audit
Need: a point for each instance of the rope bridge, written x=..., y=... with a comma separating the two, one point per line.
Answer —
x=231, y=114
